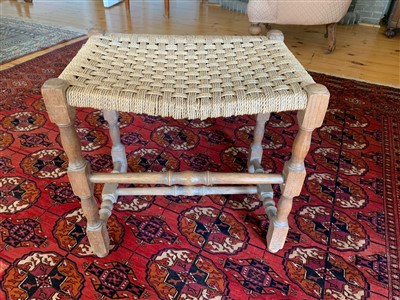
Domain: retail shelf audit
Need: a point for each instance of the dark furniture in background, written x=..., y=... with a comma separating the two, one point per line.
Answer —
x=392, y=19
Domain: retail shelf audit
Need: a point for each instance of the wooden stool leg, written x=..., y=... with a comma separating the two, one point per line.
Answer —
x=63, y=115
x=118, y=150
x=256, y=150
x=294, y=171
x=109, y=195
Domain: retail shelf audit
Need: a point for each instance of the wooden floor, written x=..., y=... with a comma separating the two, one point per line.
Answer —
x=363, y=52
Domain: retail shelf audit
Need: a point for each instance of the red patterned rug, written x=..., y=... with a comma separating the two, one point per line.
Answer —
x=343, y=242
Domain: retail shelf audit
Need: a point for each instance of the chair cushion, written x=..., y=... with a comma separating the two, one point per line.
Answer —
x=297, y=12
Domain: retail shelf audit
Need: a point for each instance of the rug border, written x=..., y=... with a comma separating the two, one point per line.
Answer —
x=45, y=23
x=355, y=79
x=61, y=49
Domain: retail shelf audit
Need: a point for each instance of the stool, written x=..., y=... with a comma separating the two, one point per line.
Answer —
x=185, y=77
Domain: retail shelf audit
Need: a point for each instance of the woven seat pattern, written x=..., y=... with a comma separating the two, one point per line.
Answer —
x=186, y=76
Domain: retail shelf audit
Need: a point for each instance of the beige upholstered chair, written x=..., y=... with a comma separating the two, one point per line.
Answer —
x=298, y=12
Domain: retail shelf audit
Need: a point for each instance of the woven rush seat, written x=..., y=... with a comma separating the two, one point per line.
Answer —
x=186, y=76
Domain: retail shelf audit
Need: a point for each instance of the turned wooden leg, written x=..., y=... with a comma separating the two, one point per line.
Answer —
x=109, y=194
x=256, y=150
x=294, y=170
x=128, y=7
x=331, y=34
x=63, y=115
x=118, y=150
x=166, y=8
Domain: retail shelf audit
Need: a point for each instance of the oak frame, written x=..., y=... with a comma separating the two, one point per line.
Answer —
x=193, y=183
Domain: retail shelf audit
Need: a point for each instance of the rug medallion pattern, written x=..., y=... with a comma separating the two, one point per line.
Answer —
x=342, y=242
